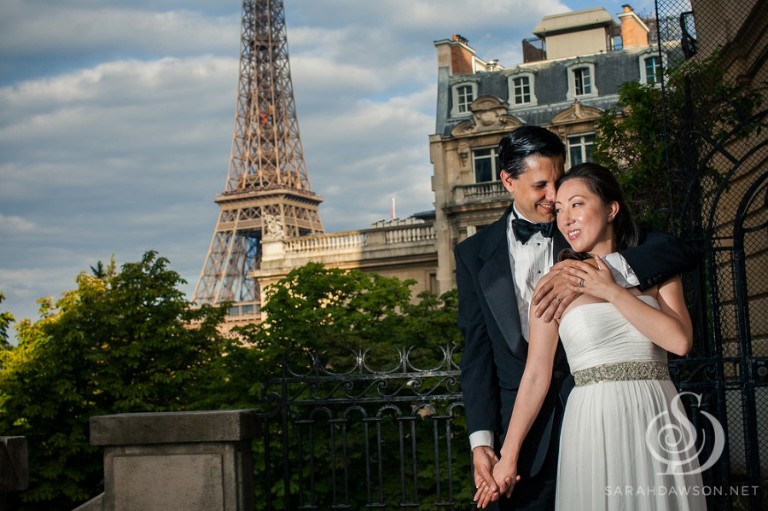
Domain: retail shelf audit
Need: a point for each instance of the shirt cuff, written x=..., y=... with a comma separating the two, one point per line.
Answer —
x=481, y=438
x=621, y=271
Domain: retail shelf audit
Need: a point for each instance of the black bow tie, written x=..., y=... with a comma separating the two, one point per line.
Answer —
x=524, y=229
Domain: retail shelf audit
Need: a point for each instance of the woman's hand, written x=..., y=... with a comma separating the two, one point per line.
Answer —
x=593, y=278
x=485, y=494
x=506, y=476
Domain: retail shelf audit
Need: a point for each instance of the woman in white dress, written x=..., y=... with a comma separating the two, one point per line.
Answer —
x=626, y=443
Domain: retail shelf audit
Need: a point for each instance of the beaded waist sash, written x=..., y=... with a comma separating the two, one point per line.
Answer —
x=622, y=371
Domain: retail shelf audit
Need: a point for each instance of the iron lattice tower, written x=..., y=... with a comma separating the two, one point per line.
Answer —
x=267, y=192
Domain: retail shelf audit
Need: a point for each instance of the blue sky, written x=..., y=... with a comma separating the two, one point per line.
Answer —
x=116, y=119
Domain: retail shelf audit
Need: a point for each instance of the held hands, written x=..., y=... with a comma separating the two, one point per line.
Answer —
x=593, y=278
x=492, y=479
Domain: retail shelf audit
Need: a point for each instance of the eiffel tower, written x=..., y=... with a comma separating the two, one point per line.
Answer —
x=267, y=192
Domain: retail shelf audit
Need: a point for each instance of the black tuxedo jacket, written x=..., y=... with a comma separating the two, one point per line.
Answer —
x=495, y=351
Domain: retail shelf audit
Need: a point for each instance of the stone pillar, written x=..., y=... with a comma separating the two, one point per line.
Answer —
x=14, y=467
x=176, y=460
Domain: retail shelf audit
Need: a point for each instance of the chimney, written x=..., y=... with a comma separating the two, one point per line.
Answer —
x=634, y=32
x=462, y=56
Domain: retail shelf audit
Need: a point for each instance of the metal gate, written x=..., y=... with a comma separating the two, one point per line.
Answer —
x=726, y=214
x=720, y=203
x=357, y=434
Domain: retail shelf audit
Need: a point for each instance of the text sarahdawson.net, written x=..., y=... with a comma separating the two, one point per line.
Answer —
x=717, y=491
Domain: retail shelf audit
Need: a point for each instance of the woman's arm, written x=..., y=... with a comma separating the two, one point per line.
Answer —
x=670, y=327
x=534, y=386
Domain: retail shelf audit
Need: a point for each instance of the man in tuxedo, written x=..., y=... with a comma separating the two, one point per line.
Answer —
x=497, y=270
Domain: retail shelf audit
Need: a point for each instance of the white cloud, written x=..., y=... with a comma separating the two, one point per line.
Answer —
x=75, y=29
x=14, y=224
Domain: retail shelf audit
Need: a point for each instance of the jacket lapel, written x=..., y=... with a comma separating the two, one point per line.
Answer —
x=558, y=243
x=498, y=286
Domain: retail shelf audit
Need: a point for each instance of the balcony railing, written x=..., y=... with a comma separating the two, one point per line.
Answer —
x=479, y=192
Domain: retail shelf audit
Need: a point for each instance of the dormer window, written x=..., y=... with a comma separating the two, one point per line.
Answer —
x=463, y=96
x=581, y=81
x=521, y=90
x=650, y=70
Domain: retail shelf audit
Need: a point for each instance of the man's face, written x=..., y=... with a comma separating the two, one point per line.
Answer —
x=534, y=189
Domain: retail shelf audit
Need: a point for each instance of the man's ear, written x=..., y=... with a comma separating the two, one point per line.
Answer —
x=508, y=181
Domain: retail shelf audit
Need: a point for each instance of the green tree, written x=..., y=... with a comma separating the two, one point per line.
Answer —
x=104, y=272
x=343, y=312
x=701, y=103
x=6, y=318
x=124, y=341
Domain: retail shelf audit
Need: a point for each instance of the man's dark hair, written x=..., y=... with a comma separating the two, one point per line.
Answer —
x=526, y=141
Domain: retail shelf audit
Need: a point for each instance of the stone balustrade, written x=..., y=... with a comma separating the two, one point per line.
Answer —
x=336, y=242
x=366, y=240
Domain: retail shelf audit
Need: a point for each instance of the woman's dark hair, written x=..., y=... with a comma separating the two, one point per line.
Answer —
x=602, y=183
x=526, y=141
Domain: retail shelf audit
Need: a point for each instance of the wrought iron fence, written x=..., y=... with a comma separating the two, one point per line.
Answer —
x=367, y=435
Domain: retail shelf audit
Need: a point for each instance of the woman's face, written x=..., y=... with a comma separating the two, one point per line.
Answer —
x=584, y=219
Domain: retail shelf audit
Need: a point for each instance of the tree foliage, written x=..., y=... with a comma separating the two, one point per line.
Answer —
x=343, y=312
x=6, y=318
x=124, y=341
x=655, y=158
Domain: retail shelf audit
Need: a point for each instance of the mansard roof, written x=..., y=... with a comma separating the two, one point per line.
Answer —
x=550, y=87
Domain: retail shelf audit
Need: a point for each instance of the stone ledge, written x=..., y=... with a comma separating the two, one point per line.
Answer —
x=173, y=427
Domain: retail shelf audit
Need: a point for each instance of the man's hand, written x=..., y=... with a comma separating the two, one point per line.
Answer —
x=553, y=294
x=483, y=460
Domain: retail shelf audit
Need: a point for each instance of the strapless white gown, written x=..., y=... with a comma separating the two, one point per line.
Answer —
x=620, y=447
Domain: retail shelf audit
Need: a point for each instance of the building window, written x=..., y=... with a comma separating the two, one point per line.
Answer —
x=522, y=89
x=581, y=81
x=485, y=163
x=463, y=96
x=650, y=70
x=580, y=148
